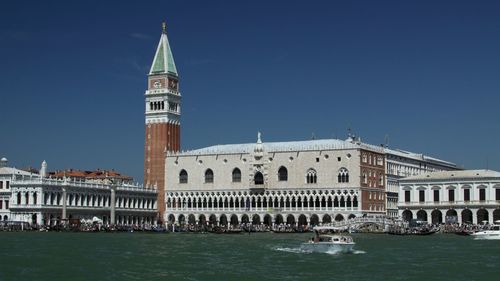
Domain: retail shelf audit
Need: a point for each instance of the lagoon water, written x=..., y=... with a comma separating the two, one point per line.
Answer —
x=259, y=256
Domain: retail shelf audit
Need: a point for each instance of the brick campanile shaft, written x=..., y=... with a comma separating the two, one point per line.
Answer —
x=163, y=110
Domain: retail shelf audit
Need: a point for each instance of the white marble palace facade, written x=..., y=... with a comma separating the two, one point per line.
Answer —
x=469, y=196
x=6, y=174
x=301, y=183
x=39, y=200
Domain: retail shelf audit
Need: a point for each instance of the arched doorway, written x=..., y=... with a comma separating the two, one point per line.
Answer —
x=327, y=219
x=245, y=219
x=314, y=220
x=182, y=219
x=202, y=220
x=223, y=220
x=422, y=215
x=278, y=219
x=268, y=220
x=302, y=220
x=407, y=215
x=496, y=215
x=171, y=218
x=437, y=217
x=212, y=219
x=290, y=220
x=482, y=216
x=467, y=216
x=191, y=219
x=234, y=220
x=256, y=219
x=451, y=216
x=339, y=217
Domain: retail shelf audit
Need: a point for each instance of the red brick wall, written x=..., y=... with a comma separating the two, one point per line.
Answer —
x=158, y=137
x=372, y=164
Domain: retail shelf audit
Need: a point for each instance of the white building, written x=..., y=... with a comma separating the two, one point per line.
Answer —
x=470, y=196
x=35, y=199
x=401, y=164
x=6, y=174
x=299, y=183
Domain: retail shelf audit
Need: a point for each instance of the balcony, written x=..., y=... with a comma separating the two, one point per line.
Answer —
x=450, y=204
x=257, y=188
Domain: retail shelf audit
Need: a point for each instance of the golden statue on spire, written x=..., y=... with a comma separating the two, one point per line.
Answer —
x=164, y=27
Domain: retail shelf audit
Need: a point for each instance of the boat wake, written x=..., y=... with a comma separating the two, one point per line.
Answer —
x=302, y=251
x=291, y=250
x=358, y=252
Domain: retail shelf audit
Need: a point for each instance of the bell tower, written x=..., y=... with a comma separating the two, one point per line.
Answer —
x=163, y=111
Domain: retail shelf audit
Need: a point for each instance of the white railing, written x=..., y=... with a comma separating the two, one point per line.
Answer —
x=449, y=203
x=36, y=180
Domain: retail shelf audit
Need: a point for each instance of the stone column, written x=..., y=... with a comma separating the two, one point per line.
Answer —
x=474, y=216
x=112, y=204
x=459, y=216
x=63, y=203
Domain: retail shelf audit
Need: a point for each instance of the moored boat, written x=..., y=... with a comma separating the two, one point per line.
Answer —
x=490, y=234
x=464, y=232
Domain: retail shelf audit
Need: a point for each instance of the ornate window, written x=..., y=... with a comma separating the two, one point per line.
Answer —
x=380, y=161
x=209, y=176
x=343, y=175
x=183, y=176
x=282, y=174
x=311, y=176
x=258, y=178
x=236, y=175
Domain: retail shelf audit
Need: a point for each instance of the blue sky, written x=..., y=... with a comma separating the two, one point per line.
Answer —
x=424, y=73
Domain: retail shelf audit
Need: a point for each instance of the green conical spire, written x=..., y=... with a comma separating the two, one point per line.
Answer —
x=163, y=62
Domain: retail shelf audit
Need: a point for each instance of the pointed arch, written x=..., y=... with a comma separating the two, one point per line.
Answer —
x=258, y=178
x=236, y=175
x=183, y=176
x=311, y=176
x=343, y=175
x=209, y=176
x=282, y=174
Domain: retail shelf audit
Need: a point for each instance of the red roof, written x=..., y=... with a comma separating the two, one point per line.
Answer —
x=96, y=174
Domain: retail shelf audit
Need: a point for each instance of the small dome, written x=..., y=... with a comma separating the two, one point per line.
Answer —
x=4, y=159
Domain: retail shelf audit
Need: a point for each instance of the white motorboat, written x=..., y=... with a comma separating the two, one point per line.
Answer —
x=328, y=243
x=490, y=234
